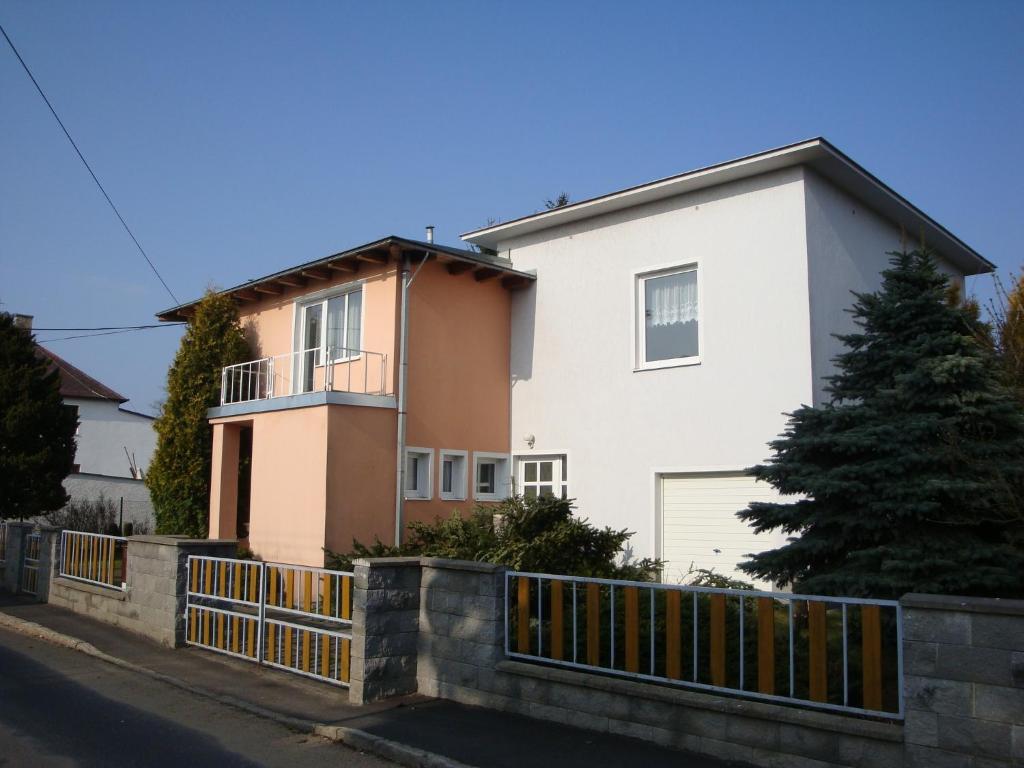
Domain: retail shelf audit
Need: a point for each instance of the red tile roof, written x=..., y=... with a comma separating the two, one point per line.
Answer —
x=75, y=382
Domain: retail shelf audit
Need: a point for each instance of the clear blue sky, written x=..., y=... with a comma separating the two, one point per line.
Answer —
x=239, y=138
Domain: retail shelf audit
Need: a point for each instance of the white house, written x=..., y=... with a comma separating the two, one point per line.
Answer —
x=672, y=324
x=114, y=445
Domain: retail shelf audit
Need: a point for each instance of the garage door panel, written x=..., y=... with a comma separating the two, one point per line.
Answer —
x=699, y=517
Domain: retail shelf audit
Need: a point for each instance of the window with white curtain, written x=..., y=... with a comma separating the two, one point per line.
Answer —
x=668, y=317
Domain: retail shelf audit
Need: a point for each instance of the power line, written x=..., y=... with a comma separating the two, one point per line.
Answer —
x=102, y=333
x=81, y=157
x=114, y=327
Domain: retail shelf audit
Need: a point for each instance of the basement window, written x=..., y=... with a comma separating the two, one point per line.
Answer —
x=417, y=473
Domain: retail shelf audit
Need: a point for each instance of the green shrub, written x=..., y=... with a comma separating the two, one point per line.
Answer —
x=541, y=535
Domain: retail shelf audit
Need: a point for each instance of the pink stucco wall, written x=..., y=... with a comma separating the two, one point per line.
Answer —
x=324, y=475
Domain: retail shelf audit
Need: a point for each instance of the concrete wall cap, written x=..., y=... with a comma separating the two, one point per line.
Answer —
x=180, y=541
x=462, y=565
x=390, y=562
x=964, y=604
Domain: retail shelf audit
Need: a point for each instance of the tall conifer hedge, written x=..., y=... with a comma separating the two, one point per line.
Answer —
x=911, y=477
x=179, y=475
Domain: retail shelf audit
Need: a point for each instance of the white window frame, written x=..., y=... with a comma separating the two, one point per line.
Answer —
x=502, y=475
x=459, y=481
x=519, y=457
x=426, y=475
x=322, y=298
x=639, y=336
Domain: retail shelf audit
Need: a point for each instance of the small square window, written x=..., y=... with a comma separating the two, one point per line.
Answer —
x=417, y=473
x=490, y=476
x=452, y=480
x=668, y=317
x=542, y=476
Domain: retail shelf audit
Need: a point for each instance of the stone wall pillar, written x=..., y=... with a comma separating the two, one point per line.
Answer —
x=462, y=629
x=964, y=681
x=10, y=572
x=385, y=627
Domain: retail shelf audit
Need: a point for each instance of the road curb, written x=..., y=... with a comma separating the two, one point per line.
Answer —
x=363, y=741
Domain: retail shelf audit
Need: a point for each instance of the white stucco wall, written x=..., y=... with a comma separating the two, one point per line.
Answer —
x=103, y=434
x=573, y=381
x=848, y=246
x=138, y=507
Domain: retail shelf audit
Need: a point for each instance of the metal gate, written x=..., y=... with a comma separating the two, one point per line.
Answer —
x=30, y=564
x=293, y=617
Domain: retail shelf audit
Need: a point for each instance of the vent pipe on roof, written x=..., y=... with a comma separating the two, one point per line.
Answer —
x=23, y=321
x=430, y=233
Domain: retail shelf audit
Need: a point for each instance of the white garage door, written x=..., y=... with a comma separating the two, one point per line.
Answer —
x=700, y=527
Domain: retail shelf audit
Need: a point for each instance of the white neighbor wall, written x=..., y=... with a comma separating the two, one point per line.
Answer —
x=104, y=432
x=767, y=312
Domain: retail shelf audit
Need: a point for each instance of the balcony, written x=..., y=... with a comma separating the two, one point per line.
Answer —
x=322, y=369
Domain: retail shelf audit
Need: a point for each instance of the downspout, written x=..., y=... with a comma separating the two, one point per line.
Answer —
x=403, y=379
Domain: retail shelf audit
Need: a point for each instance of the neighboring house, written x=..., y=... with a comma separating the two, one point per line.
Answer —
x=636, y=352
x=114, y=445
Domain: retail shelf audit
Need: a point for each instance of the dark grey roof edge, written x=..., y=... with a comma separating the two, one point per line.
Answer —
x=821, y=140
x=483, y=259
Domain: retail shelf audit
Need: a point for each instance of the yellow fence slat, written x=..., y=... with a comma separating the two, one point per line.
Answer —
x=673, y=639
x=346, y=597
x=307, y=591
x=93, y=560
x=250, y=640
x=632, y=601
x=345, y=659
x=766, y=645
x=557, y=621
x=717, y=640
x=194, y=574
x=289, y=588
x=871, y=644
x=593, y=625
x=288, y=659
x=817, y=628
x=254, y=579
x=192, y=625
x=523, y=615
x=237, y=590
x=325, y=605
x=222, y=579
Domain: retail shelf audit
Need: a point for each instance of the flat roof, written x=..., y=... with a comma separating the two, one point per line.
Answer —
x=483, y=266
x=817, y=153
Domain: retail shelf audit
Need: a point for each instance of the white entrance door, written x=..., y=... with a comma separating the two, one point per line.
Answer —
x=699, y=527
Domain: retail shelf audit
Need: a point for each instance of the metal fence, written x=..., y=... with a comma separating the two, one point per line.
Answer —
x=840, y=654
x=330, y=369
x=292, y=617
x=30, y=564
x=94, y=558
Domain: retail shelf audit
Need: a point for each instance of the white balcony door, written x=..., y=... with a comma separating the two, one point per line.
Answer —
x=312, y=331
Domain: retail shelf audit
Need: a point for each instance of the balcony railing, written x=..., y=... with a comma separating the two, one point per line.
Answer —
x=323, y=369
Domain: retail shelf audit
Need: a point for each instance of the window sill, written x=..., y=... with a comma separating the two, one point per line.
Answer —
x=417, y=498
x=449, y=497
x=684, y=362
x=489, y=497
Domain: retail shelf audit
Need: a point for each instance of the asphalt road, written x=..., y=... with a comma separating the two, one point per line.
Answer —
x=62, y=708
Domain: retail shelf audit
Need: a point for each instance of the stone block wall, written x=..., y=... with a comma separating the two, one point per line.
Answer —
x=460, y=655
x=153, y=603
x=385, y=628
x=963, y=681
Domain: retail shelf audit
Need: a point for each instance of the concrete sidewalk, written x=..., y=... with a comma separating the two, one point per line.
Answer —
x=411, y=730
